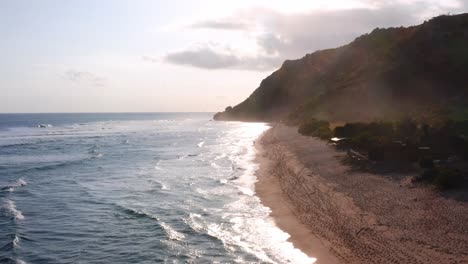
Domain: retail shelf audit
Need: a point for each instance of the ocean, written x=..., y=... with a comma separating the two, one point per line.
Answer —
x=133, y=188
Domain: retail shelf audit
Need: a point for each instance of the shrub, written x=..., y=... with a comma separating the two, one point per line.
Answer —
x=426, y=163
x=407, y=128
x=447, y=178
x=442, y=178
x=426, y=176
x=340, y=132
x=349, y=130
x=376, y=153
x=316, y=128
x=323, y=133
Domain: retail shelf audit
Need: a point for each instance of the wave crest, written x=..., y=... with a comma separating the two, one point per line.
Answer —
x=15, y=184
x=137, y=213
x=172, y=233
x=8, y=208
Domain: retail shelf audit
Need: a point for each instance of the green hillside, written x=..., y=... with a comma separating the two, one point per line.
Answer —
x=420, y=71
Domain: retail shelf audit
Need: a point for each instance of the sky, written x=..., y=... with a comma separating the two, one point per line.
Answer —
x=172, y=56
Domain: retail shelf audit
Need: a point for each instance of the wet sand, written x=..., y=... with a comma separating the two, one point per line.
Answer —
x=338, y=215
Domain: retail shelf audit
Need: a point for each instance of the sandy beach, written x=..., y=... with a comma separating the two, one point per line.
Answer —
x=339, y=215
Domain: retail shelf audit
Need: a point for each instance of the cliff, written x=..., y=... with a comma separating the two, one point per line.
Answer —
x=389, y=73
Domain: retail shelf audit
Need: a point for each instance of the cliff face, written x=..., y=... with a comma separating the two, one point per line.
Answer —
x=387, y=73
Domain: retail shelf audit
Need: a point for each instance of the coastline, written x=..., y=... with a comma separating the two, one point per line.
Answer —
x=338, y=215
x=268, y=189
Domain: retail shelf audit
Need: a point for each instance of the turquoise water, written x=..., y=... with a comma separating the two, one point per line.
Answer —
x=133, y=188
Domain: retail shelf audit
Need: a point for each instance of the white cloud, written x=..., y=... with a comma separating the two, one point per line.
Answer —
x=215, y=56
x=280, y=36
x=84, y=77
x=224, y=24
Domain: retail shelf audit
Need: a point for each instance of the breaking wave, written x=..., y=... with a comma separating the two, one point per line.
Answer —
x=171, y=233
x=8, y=209
x=13, y=185
x=138, y=213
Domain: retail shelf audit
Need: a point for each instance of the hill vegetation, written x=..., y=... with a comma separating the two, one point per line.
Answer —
x=400, y=93
x=388, y=74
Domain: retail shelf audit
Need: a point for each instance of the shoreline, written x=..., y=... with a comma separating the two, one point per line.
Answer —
x=268, y=189
x=338, y=215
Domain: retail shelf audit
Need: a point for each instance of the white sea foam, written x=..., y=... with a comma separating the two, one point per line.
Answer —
x=249, y=225
x=97, y=155
x=16, y=241
x=241, y=222
x=221, y=156
x=8, y=189
x=259, y=234
x=12, y=185
x=43, y=125
x=214, y=165
x=171, y=233
x=138, y=212
x=195, y=222
x=157, y=166
x=19, y=183
x=9, y=209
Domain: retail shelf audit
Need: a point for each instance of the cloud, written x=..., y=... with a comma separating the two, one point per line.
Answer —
x=84, y=77
x=149, y=59
x=221, y=25
x=293, y=36
x=203, y=57
x=280, y=36
x=211, y=56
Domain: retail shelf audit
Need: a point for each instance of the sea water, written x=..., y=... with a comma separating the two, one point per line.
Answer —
x=133, y=188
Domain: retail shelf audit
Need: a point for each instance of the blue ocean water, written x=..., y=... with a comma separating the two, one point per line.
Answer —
x=133, y=188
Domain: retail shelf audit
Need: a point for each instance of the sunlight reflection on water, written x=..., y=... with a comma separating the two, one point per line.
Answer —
x=252, y=226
